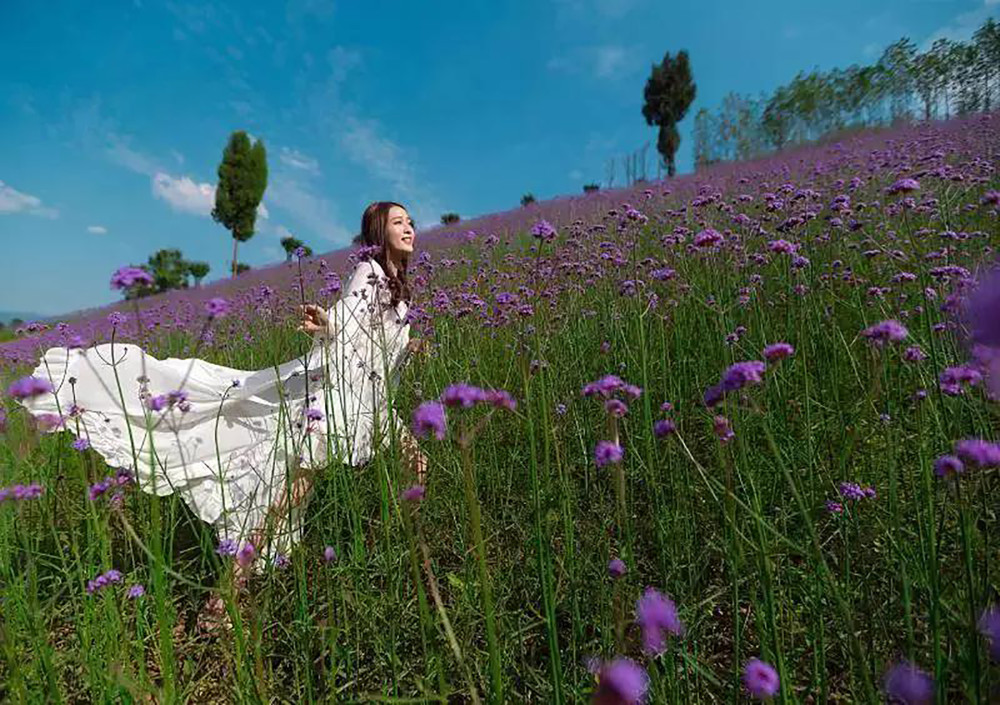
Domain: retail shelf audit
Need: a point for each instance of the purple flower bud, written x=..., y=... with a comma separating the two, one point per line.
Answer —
x=616, y=567
x=760, y=679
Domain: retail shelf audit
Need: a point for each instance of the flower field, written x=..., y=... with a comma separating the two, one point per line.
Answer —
x=718, y=438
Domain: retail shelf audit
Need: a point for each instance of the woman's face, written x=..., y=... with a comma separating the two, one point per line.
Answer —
x=399, y=232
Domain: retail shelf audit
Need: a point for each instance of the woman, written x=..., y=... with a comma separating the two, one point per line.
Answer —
x=241, y=448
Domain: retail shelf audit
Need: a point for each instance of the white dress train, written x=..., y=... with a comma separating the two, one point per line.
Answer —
x=225, y=447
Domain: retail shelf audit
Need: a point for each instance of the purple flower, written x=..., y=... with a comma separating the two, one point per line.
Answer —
x=914, y=354
x=606, y=452
x=605, y=386
x=246, y=554
x=616, y=567
x=136, y=591
x=621, y=682
x=127, y=277
x=413, y=494
x=760, y=679
x=720, y=425
x=615, y=407
x=656, y=614
x=543, y=230
x=282, y=561
x=890, y=330
x=500, y=398
x=777, y=351
x=948, y=465
x=904, y=186
x=713, y=395
x=909, y=685
x=158, y=403
x=217, y=307
x=978, y=452
x=664, y=427
x=103, y=580
x=329, y=554
x=28, y=387
x=462, y=394
x=834, y=507
x=708, y=238
x=782, y=246
x=227, y=547
x=989, y=626
x=741, y=374
x=428, y=417
x=314, y=414
x=20, y=492
x=81, y=444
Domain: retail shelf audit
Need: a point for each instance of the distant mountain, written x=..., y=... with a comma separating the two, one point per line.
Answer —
x=7, y=316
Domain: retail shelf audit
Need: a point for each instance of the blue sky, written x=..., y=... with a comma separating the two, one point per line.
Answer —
x=114, y=114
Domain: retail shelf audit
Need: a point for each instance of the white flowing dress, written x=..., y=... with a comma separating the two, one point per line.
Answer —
x=226, y=449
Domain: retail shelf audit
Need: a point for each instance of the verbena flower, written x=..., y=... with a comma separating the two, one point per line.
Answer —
x=329, y=554
x=948, y=465
x=127, y=277
x=462, y=394
x=413, y=494
x=904, y=185
x=989, y=626
x=616, y=567
x=621, y=682
x=81, y=444
x=217, y=307
x=29, y=387
x=720, y=425
x=543, y=230
x=607, y=452
x=886, y=331
x=136, y=591
x=778, y=351
x=656, y=615
x=974, y=451
x=908, y=684
x=428, y=418
x=103, y=580
x=760, y=679
x=227, y=547
x=663, y=428
x=246, y=555
x=742, y=374
x=17, y=493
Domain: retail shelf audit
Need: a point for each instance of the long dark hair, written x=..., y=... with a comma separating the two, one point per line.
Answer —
x=374, y=224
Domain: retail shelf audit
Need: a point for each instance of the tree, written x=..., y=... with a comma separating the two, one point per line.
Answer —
x=590, y=188
x=290, y=244
x=449, y=218
x=667, y=96
x=198, y=270
x=359, y=239
x=527, y=199
x=242, y=181
x=241, y=267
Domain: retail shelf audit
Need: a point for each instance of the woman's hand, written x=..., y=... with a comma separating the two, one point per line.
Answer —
x=314, y=319
x=417, y=345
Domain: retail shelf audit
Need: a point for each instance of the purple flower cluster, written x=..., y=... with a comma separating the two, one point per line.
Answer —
x=119, y=479
x=609, y=385
x=760, y=679
x=543, y=230
x=429, y=418
x=28, y=387
x=467, y=395
x=103, y=580
x=854, y=492
x=908, y=684
x=977, y=452
x=736, y=377
x=886, y=331
x=414, y=493
x=128, y=277
x=607, y=453
x=20, y=492
x=656, y=615
x=620, y=682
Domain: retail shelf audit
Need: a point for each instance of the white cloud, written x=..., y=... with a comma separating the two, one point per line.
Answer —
x=296, y=159
x=608, y=61
x=14, y=201
x=311, y=210
x=97, y=229
x=183, y=194
x=386, y=160
x=962, y=26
